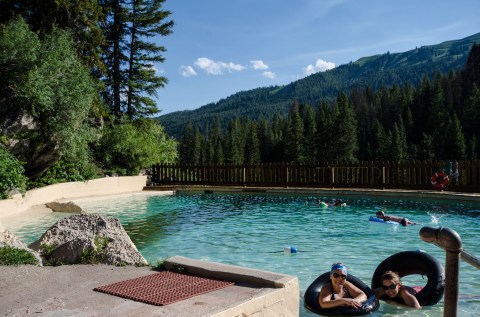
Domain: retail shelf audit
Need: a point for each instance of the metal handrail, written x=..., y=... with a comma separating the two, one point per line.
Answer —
x=470, y=259
x=450, y=241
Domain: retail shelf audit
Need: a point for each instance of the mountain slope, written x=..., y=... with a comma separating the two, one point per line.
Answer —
x=374, y=71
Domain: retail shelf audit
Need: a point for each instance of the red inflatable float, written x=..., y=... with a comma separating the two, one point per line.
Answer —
x=440, y=180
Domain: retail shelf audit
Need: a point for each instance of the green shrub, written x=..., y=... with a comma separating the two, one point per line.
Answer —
x=11, y=173
x=64, y=172
x=47, y=250
x=127, y=147
x=14, y=256
x=95, y=256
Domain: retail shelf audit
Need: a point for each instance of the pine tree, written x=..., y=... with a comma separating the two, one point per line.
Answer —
x=130, y=59
x=252, y=145
x=198, y=150
x=456, y=149
x=325, y=130
x=146, y=21
x=294, y=151
x=426, y=149
x=310, y=131
x=345, y=132
x=398, y=146
x=378, y=143
x=235, y=142
x=187, y=145
x=472, y=147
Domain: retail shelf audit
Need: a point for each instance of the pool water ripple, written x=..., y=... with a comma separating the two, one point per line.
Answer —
x=253, y=230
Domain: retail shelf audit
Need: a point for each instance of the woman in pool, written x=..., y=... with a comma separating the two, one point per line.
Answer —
x=393, y=288
x=340, y=292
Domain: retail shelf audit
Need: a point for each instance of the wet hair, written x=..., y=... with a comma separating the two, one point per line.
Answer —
x=380, y=213
x=392, y=276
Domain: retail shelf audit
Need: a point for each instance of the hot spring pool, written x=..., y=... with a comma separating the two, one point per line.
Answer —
x=252, y=230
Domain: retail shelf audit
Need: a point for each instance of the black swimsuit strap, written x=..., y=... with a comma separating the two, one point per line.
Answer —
x=345, y=292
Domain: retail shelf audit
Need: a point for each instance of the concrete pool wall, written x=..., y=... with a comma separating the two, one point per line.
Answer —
x=96, y=187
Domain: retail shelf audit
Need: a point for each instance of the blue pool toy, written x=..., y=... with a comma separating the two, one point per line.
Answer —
x=290, y=249
x=378, y=220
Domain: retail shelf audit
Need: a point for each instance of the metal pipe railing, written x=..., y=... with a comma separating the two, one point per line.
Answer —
x=450, y=241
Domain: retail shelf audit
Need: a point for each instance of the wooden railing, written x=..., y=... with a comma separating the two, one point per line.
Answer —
x=463, y=175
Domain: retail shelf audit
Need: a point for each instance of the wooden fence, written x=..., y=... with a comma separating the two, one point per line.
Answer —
x=464, y=176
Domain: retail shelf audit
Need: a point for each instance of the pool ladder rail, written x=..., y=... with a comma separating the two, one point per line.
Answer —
x=450, y=241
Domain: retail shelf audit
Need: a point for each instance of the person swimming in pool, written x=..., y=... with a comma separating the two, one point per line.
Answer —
x=340, y=292
x=336, y=203
x=393, y=288
x=402, y=220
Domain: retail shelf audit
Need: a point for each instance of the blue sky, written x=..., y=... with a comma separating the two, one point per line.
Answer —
x=220, y=47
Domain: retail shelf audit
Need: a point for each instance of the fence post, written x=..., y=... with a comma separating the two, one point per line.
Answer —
x=333, y=176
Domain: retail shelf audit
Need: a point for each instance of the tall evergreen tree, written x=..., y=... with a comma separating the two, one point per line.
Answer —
x=131, y=78
x=426, y=150
x=235, y=142
x=456, y=146
x=378, y=142
x=325, y=126
x=115, y=27
x=187, y=145
x=397, y=150
x=345, y=132
x=472, y=152
x=146, y=21
x=294, y=151
x=252, y=145
x=310, y=132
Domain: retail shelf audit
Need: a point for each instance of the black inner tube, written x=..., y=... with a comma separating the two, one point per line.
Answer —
x=313, y=291
x=414, y=262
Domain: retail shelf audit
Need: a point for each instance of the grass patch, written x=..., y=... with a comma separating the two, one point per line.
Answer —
x=46, y=252
x=97, y=255
x=14, y=256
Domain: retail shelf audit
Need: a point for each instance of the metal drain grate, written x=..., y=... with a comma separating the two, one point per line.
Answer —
x=163, y=288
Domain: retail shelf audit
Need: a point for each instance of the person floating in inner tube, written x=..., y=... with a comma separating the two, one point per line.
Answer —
x=393, y=288
x=340, y=292
x=402, y=220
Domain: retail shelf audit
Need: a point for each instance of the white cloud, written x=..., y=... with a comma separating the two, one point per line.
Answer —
x=320, y=66
x=187, y=71
x=212, y=67
x=258, y=64
x=269, y=74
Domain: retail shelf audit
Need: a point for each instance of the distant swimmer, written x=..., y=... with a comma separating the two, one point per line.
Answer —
x=402, y=220
x=336, y=203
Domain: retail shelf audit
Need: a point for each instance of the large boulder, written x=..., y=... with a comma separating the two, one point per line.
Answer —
x=88, y=239
x=9, y=239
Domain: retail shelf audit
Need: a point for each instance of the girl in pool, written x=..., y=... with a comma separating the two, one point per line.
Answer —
x=393, y=288
x=340, y=292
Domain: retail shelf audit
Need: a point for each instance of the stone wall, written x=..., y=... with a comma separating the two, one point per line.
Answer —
x=95, y=187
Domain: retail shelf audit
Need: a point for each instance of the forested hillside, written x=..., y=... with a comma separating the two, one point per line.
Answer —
x=374, y=72
x=436, y=118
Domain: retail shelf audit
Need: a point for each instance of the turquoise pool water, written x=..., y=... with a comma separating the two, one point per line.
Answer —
x=252, y=230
